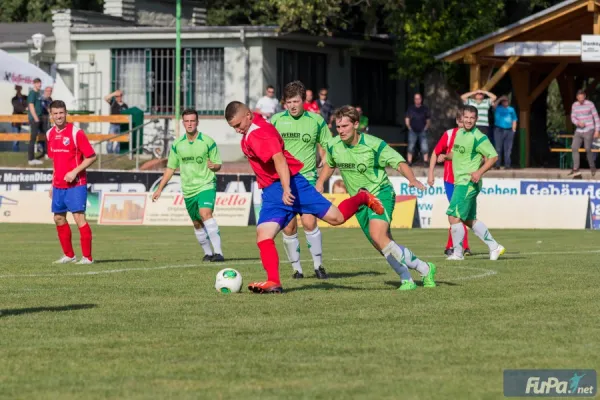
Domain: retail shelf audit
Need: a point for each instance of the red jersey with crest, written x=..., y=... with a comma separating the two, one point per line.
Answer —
x=67, y=147
x=445, y=146
x=260, y=144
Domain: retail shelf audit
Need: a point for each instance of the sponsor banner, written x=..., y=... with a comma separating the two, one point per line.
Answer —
x=523, y=212
x=431, y=194
x=231, y=209
x=402, y=218
x=27, y=207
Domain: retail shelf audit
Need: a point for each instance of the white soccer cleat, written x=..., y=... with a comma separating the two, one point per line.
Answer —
x=65, y=260
x=85, y=261
x=495, y=254
x=454, y=257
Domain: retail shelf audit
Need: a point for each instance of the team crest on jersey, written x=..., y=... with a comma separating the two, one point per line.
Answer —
x=66, y=141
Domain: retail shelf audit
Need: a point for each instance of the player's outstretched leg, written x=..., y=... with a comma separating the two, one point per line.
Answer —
x=64, y=237
x=315, y=244
x=482, y=232
x=347, y=208
x=265, y=233
x=202, y=237
x=404, y=256
x=291, y=245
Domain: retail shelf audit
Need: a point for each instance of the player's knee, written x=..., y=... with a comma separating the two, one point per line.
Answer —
x=309, y=224
x=197, y=224
x=60, y=219
x=205, y=214
x=291, y=229
x=79, y=219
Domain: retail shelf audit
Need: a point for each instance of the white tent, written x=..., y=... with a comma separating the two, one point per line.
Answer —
x=15, y=71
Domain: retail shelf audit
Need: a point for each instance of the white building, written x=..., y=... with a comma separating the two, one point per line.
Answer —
x=131, y=46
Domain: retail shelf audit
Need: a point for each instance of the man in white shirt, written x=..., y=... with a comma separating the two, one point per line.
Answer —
x=268, y=104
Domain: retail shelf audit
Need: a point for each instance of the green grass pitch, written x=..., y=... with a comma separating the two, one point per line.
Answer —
x=145, y=321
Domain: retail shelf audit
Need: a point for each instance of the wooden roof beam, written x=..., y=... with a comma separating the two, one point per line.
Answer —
x=546, y=82
x=500, y=73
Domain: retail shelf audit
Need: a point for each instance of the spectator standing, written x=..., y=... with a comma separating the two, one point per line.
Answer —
x=325, y=106
x=115, y=99
x=310, y=104
x=363, y=122
x=19, y=104
x=505, y=121
x=585, y=117
x=478, y=99
x=268, y=104
x=34, y=112
x=45, y=117
x=417, y=121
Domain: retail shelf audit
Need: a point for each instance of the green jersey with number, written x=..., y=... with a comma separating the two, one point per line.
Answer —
x=301, y=135
x=469, y=149
x=191, y=158
x=363, y=165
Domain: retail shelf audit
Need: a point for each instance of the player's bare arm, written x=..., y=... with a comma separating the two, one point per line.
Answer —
x=489, y=163
x=163, y=182
x=322, y=155
x=70, y=176
x=324, y=176
x=283, y=171
x=408, y=173
x=432, y=161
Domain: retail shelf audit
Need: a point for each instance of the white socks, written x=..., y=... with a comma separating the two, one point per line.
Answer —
x=409, y=259
x=484, y=234
x=458, y=236
x=213, y=234
x=291, y=244
x=315, y=245
x=396, y=265
x=202, y=237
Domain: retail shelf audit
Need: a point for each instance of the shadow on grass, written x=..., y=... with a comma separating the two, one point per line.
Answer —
x=322, y=286
x=21, y=311
x=120, y=260
x=353, y=274
x=241, y=259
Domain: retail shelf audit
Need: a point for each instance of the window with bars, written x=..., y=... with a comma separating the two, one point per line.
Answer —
x=309, y=68
x=147, y=78
x=374, y=90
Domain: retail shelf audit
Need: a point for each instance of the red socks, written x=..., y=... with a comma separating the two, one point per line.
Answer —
x=86, y=241
x=350, y=206
x=270, y=259
x=450, y=245
x=64, y=237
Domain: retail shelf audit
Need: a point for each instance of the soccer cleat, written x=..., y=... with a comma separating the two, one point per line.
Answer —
x=467, y=252
x=207, y=258
x=454, y=257
x=298, y=275
x=495, y=254
x=407, y=285
x=374, y=203
x=320, y=273
x=429, y=279
x=85, y=261
x=265, y=287
x=65, y=260
x=217, y=258
x=449, y=252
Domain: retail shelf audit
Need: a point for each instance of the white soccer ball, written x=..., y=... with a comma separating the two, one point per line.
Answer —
x=228, y=281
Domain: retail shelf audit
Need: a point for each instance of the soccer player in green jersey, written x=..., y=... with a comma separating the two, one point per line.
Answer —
x=361, y=160
x=470, y=147
x=197, y=157
x=302, y=131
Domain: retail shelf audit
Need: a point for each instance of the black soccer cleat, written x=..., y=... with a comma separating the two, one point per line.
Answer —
x=207, y=258
x=217, y=258
x=298, y=275
x=449, y=252
x=467, y=252
x=320, y=273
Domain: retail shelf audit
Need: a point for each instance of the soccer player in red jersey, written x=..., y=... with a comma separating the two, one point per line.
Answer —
x=443, y=147
x=72, y=153
x=285, y=192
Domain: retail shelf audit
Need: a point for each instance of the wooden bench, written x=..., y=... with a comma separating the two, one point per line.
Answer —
x=398, y=144
x=565, y=150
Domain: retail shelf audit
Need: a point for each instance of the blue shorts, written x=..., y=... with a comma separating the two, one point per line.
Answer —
x=72, y=199
x=449, y=189
x=308, y=201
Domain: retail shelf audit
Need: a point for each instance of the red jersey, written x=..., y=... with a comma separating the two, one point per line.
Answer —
x=312, y=106
x=260, y=144
x=445, y=146
x=67, y=148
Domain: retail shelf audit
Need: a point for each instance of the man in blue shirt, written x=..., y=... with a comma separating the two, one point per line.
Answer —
x=505, y=121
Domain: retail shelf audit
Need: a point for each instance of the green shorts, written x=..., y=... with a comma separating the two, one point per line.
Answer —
x=204, y=199
x=463, y=204
x=365, y=214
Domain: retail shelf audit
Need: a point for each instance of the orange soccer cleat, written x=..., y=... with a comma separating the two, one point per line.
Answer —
x=265, y=287
x=374, y=203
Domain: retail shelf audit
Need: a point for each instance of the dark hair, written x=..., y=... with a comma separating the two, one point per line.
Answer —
x=293, y=89
x=233, y=108
x=347, y=111
x=471, y=109
x=37, y=80
x=581, y=91
x=189, y=111
x=270, y=87
x=58, y=104
x=459, y=113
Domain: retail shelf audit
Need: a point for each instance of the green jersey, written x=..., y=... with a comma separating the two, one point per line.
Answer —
x=468, y=150
x=190, y=158
x=301, y=136
x=363, y=165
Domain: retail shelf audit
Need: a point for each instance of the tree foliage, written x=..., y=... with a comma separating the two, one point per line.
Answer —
x=41, y=10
